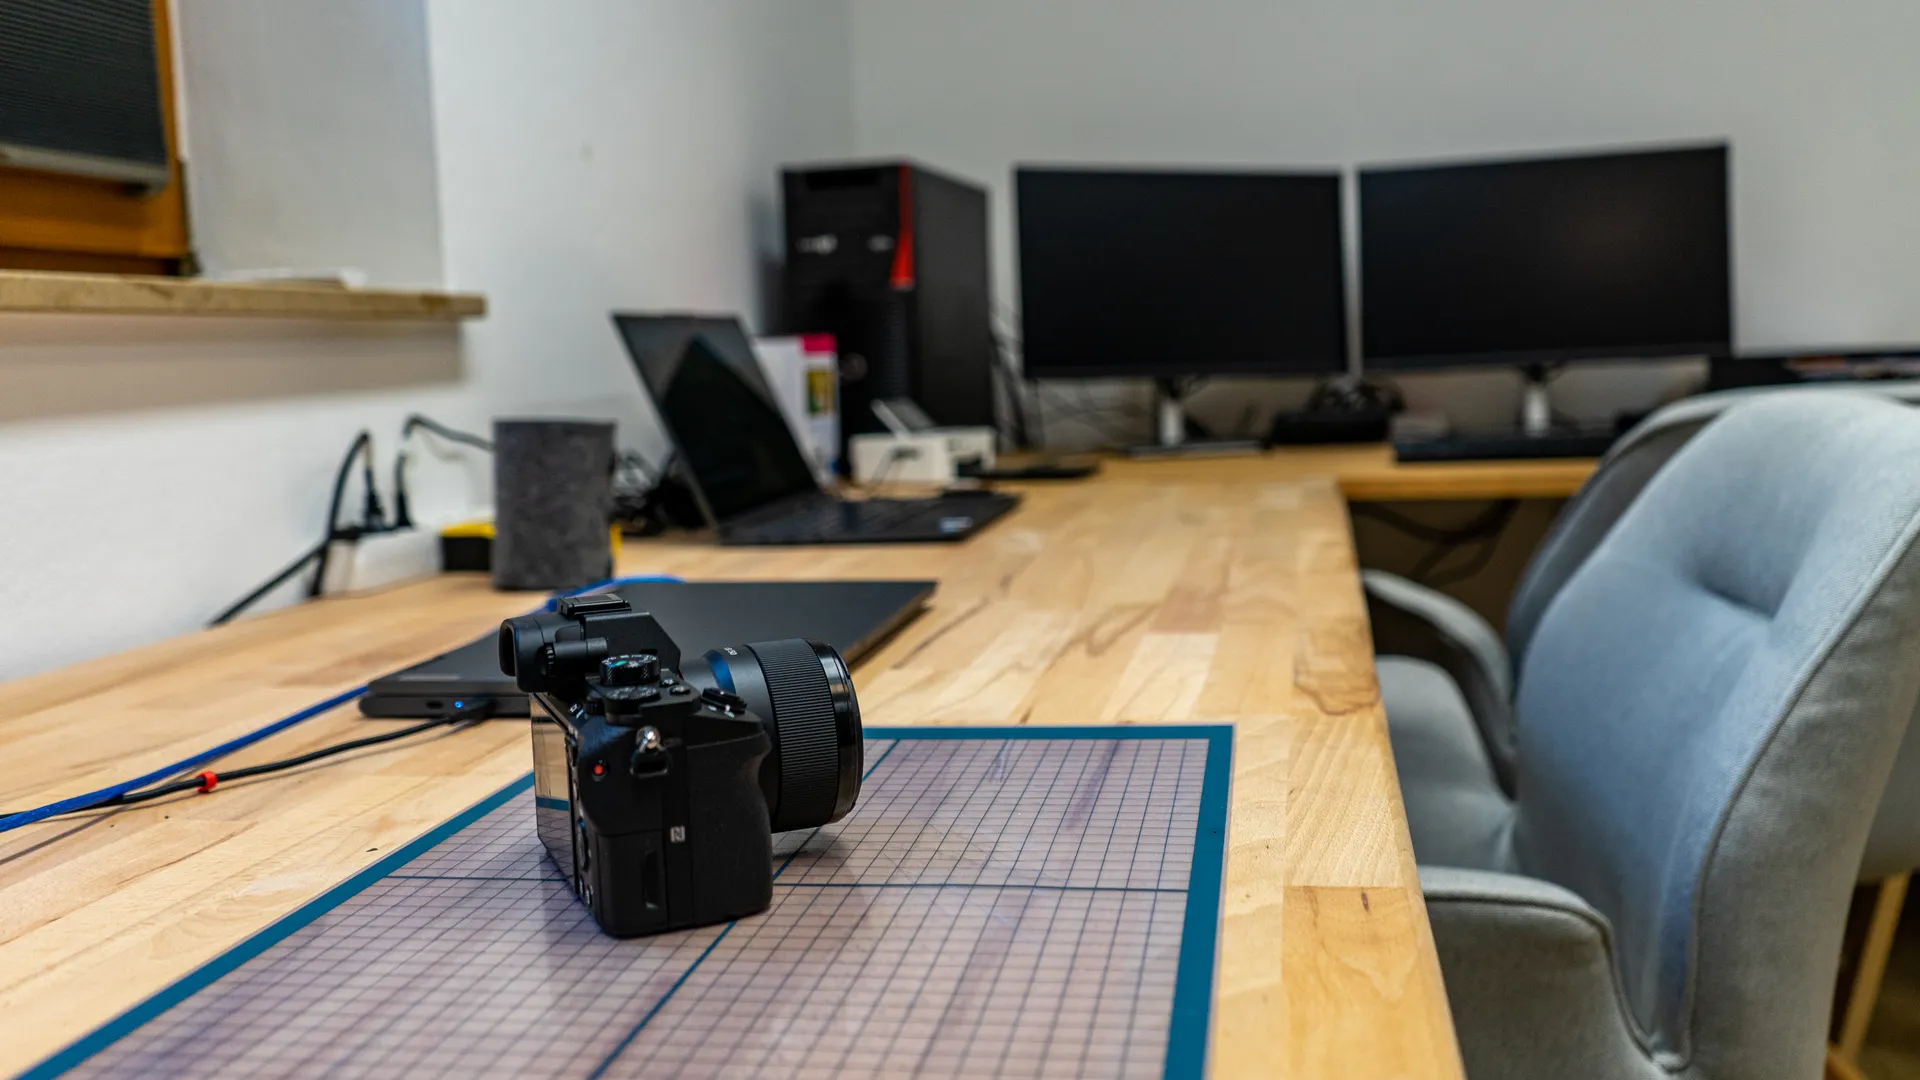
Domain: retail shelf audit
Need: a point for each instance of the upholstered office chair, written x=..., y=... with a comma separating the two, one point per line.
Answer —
x=1417, y=622
x=1650, y=876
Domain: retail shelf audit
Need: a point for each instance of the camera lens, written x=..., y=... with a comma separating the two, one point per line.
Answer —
x=803, y=692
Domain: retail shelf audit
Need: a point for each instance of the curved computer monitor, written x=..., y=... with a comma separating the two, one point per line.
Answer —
x=1615, y=255
x=1176, y=274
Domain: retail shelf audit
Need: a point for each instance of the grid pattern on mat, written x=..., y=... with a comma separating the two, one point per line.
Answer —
x=993, y=905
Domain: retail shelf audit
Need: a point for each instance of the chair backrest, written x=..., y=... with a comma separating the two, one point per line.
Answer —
x=1708, y=711
x=1625, y=469
x=1893, y=846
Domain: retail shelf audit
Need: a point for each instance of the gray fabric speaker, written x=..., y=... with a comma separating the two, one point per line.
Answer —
x=553, y=499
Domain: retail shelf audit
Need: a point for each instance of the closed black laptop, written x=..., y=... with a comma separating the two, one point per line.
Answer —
x=854, y=617
x=746, y=469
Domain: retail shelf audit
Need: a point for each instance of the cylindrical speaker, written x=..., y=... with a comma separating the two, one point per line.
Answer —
x=553, y=499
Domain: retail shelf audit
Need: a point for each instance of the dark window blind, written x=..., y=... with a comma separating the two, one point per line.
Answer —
x=80, y=89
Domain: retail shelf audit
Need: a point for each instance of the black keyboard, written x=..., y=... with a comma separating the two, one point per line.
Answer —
x=1495, y=445
x=827, y=520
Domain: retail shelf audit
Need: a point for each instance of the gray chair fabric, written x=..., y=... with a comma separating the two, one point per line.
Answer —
x=1623, y=471
x=1492, y=931
x=1412, y=620
x=1457, y=810
x=1706, y=714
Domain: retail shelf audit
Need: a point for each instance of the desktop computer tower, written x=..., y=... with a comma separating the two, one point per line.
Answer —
x=891, y=259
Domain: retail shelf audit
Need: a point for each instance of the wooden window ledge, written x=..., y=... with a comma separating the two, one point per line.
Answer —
x=124, y=294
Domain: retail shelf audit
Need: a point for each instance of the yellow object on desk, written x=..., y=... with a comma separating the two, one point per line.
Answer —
x=468, y=545
x=1165, y=592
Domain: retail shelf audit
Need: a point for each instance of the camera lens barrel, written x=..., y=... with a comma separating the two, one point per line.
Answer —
x=803, y=691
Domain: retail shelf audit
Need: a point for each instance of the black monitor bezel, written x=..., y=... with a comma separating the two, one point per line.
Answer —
x=1336, y=365
x=1521, y=358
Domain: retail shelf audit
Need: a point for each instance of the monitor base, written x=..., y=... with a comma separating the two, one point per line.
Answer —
x=1171, y=424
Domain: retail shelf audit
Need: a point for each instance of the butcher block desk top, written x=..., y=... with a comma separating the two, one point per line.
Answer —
x=1162, y=592
x=1368, y=472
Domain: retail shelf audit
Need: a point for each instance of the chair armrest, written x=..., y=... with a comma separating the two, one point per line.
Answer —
x=1529, y=973
x=1413, y=620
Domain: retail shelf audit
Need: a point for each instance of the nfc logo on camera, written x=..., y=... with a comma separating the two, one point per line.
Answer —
x=677, y=834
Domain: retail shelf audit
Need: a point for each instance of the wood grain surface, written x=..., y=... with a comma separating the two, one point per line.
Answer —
x=134, y=294
x=1171, y=592
x=1367, y=472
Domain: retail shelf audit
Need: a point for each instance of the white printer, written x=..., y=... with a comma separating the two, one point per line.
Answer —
x=914, y=450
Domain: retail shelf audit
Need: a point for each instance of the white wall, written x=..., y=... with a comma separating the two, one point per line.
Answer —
x=1817, y=97
x=607, y=154
x=159, y=467
x=563, y=158
x=313, y=146
x=167, y=465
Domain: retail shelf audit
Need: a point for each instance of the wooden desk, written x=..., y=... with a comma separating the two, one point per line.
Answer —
x=1163, y=592
x=1368, y=473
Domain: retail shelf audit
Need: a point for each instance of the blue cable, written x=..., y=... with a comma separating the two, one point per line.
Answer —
x=553, y=602
x=94, y=798
x=106, y=794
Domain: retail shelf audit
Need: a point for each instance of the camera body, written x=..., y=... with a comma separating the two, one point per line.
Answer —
x=658, y=784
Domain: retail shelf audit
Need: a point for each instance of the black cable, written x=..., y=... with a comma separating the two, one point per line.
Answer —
x=1082, y=412
x=1493, y=518
x=1433, y=557
x=208, y=779
x=635, y=462
x=362, y=444
x=402, y=515
x=427, y=423
x=1469, y=568
x=1484, y=531
x=273, y=583
x=1012, y=382
x=1086, y=410
x=886, y=470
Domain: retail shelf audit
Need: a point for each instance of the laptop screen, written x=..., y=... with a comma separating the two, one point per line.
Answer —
x=718, y=409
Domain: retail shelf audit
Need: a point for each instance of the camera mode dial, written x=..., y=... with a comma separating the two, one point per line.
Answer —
x=632, y=669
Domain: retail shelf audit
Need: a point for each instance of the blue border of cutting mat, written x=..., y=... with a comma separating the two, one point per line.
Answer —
x=1199, y=935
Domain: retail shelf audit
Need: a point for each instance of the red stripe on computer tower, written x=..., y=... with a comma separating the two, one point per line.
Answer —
x=902, y=276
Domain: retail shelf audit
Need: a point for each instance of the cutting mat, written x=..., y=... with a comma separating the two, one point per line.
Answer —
x=1002, y=901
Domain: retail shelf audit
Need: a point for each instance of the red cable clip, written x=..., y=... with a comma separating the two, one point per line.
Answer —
x=207, y=782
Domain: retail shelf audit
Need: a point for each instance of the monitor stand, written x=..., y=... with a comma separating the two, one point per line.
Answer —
x=1170, y=412
x=1536, y=409
x=1536, y=435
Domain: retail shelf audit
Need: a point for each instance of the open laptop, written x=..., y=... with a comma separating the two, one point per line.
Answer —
x=746, y=469
x=854, y=617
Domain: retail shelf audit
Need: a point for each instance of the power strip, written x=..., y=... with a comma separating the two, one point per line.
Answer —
x=382, y=559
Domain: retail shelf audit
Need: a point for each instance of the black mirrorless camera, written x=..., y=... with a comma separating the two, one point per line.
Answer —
x=658, y=784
